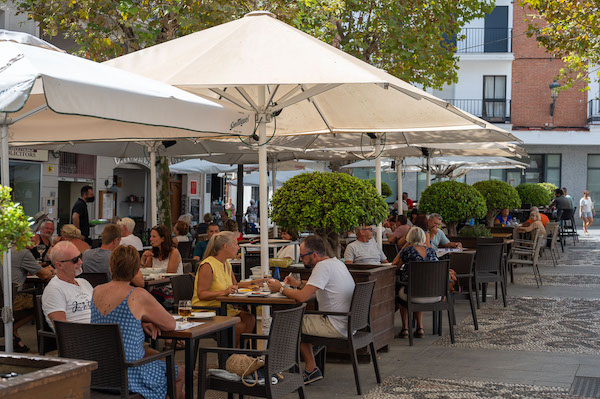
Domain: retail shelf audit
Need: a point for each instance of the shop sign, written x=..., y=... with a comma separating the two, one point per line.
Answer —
x=193, y=187
x=28, y=154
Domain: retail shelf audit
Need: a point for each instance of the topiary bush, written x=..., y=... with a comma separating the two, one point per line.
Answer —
x=454, y=201
x=498, y=195
x=327, y=204
x=549, y=187
x=14, y=224
x=386, y=191
x=534, y=194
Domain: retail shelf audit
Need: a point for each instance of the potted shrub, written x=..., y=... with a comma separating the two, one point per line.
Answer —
x=386, y=191
x=498, y=195
x=328, y=204
x=550, y=188
x=533, y=194
x=454, y=201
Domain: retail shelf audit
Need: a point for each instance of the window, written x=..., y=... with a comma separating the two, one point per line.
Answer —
x=542, y=168
x=593, y=177
x=496, y=31
x=26, y=181
x=552, y=172
x=494, y=98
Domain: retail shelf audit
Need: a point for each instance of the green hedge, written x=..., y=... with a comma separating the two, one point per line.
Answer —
x=534, y=194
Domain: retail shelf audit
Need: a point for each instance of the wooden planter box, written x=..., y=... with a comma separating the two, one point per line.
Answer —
x=45, y=377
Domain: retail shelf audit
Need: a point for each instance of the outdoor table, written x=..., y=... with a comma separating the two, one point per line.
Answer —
x=157, y=282
x=502, y=235
x=224, y=325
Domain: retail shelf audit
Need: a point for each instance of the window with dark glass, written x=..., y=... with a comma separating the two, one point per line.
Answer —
x=494, y=98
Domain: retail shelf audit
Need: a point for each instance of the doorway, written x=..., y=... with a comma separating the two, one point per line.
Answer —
x=68, y=193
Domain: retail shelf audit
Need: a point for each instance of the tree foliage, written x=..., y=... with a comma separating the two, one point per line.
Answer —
x=14, y=224
x=386, y=191
x=534, y=194
x=498, y=195
x=407, y=38
x=549, y=187
x=569, y=30
x=454, y=201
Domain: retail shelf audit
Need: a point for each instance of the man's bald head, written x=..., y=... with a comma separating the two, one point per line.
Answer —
x=63, y=250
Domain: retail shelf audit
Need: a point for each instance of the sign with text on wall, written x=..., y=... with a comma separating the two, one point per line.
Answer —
x=28, y=154
x=193, y=187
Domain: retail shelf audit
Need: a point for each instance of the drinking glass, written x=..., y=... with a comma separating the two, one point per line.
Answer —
x=41, y=248
x=185, y=309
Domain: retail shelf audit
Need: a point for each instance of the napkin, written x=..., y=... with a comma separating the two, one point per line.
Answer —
x=184, y=326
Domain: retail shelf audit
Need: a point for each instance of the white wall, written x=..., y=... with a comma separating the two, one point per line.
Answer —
x=470, y=77
x=19, y=22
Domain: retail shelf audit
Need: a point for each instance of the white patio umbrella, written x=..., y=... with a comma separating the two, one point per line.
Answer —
x=201, y=166
x=47, y=95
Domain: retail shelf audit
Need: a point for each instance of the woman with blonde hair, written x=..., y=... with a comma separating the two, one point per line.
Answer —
x=536, y=227
x=71, y=233
x=215, y=278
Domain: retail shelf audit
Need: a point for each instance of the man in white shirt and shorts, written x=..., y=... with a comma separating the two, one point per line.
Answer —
x=332, y=284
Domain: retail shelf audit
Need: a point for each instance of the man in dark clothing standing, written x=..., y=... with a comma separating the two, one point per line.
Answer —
x=79, y=213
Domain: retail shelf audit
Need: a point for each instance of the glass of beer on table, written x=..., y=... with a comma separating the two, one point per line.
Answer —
x=185, y=309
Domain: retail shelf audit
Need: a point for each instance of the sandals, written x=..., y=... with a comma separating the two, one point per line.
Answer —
x=403, y=333
x=419, y=333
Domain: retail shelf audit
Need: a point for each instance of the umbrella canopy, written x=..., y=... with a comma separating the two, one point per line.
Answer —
x=252, y=179
x=414, y=164
x=201, y=166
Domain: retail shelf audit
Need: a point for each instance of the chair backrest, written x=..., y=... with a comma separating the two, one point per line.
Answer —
x=540, y=239
x=565, y=214
x=488, y=257
x=95, y=278
x=428, y=279
x=40, y=320
x=98, y=342
x=360, y=307
x=185, y=249
x=183, y=287
x=390, y=251
x=462, y=263
x=488, y=240
x=553, y=229
x=284, y=339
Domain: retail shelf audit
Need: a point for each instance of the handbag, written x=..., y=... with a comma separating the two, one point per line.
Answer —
x=244, y=365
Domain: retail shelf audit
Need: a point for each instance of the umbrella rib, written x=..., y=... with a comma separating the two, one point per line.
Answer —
x=273, y=94
x=247, y=98
x=289, y=94
x=30, y=113
x=230, y=99
x=314, y=103
x=313, y=91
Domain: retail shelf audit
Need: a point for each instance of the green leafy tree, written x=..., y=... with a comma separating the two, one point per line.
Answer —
x=407, y=38
x=386, y=191
x=328, y=204
x=14, y=225
x=454, y=201
x=569, y=30
x=534, y=194
x=549, y=187
x=498, y=195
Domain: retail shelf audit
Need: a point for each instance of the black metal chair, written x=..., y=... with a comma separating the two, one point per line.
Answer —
x=95, y=278
x=46, y=338
x=568, y=227
x=103, y=343
x=489, y=268
x=425, y=280
x=282, y=355
x=185, y=249
x=463, y=264
x=359, y=320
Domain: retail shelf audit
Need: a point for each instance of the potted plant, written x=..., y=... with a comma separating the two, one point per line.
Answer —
x=533, y=194
x=386, y=191
x=454, y=201
x=550, y=188
x=498, y=195
x=328, y=204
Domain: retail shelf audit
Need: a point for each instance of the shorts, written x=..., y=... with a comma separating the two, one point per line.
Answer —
x=320, y=326
x=22, y=301
x=586, y=214
x=432, y=299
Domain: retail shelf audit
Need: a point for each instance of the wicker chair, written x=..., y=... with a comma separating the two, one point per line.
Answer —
x=185, y=249
x=489, y=268
x=46, y=338
x=282, y=355
x=529, y=257
x=95, y=278
x=552, y=230
x=359, y=320
x=463, y=265
x=428, y=279
x=103, y=343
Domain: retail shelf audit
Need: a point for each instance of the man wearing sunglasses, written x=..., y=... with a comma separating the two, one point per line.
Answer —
x=66, y=297
x=332, y=284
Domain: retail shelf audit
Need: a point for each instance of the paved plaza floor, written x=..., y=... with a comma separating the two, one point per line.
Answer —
x=545, y=344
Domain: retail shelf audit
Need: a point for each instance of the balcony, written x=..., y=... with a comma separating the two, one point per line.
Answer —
x=594, y=112
x=484, y=40
x=491, y=110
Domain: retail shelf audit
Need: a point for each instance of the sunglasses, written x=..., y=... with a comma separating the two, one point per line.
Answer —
x=306, y=254
x=74, y=260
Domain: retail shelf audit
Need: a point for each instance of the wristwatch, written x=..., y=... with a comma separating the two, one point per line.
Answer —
x=281, y=289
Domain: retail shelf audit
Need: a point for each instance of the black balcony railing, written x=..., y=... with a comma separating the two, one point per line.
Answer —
x=491, y=110
x=594, y=112
x=485, y=40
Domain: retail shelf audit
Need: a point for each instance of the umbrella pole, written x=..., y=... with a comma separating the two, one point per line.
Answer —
x=378, y=187
x=153, y=206
x=262, y=180
x=428, y=181
x=239, y=210
x=274, y=185
x=399, y=182
x=7, y=315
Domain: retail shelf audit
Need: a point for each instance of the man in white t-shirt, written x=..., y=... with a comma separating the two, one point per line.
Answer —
x=127, y=237
x=365, y=249
x=67, y=298
x=332, y=284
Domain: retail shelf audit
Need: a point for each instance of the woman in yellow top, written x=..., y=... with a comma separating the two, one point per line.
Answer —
x=215, y=278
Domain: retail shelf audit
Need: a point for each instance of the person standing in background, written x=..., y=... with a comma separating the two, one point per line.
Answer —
x=567, y=196
x=586, y=210
x=79, y=213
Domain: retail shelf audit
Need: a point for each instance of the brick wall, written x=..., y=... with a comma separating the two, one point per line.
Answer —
x=532, y=72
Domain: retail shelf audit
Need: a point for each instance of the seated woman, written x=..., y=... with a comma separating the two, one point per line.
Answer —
x=136, y=311
x=215, y=278
x=536, y=227
x=503, y=219
x=419, y=221
x=163, y=255
x=415, y=251
x=231, y=225
x=180, y=231
x=71, y=233
x=289, y=251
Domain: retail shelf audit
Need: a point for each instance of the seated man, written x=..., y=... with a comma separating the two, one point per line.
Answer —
x=43, y=238
x=95, y=260
x=438, y=238
x=543, y=218
x=560, y=202
x=400, y=231
x=365, y=249
x=67, y=298
x=127, y=237
x=333, y=286
x=199, y=249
